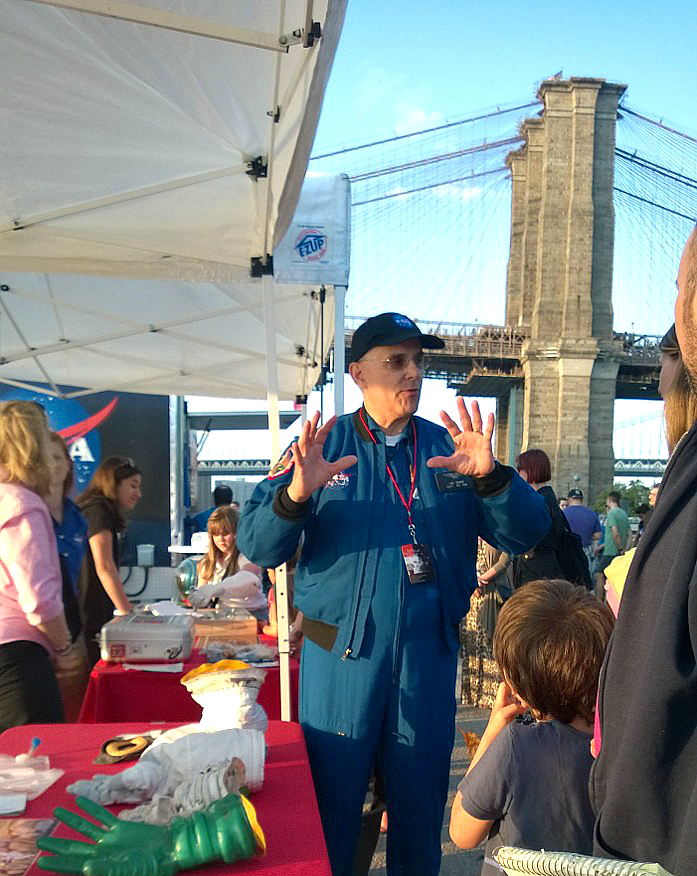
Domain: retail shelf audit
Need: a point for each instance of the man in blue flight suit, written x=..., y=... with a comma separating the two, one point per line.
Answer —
x=390, y=506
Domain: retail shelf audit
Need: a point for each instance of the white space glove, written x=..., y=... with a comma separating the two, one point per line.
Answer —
x=202, y=596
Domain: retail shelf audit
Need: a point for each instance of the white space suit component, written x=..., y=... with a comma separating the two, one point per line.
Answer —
x=227, y=691
x=179, y=756
x=192, y=796
x=241, y=590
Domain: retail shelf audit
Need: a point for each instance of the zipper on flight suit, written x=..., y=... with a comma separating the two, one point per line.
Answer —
x=400, y=604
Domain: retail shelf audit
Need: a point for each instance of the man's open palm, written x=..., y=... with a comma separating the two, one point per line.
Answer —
x=311, y=470
x=472, y=455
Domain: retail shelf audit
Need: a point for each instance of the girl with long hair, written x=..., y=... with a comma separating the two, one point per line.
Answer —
x=34, y=635
x=113, y=490
x=225, y=573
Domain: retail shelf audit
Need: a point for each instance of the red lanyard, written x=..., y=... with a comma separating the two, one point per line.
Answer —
x=407, y=505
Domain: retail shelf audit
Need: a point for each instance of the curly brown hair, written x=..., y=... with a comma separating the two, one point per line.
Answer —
x=549, y=642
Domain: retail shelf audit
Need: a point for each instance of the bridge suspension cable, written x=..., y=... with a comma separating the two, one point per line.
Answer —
x=437, y=128
x=659, y=124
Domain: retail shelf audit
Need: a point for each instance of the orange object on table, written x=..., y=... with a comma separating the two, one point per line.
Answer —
x=286, y=805
x=118, y=694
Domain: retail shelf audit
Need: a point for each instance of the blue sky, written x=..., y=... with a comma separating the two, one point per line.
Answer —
x=405, y=66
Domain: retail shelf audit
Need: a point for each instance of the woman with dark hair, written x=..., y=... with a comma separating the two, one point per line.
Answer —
x=114, y=489
x=541, y=562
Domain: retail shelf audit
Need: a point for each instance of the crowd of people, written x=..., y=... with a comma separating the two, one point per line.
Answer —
x=398, y=529
x=59, y=572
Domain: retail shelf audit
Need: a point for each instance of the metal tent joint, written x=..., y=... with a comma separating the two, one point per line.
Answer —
x=261, y=267
x=257, y=168
x=302, y=35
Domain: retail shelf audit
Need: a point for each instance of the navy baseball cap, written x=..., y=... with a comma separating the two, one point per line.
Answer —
x=386, y=329
x=575, y=494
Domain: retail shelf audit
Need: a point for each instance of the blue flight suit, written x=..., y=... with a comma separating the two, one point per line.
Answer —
x=380, y=655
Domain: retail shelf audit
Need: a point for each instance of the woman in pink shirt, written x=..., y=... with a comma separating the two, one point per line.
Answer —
x=33, y=631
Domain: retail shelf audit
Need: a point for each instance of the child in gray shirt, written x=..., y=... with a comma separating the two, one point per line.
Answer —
x=527, y=785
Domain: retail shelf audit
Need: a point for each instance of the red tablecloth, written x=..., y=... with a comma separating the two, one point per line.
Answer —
x=118, y=694
x=286, y=805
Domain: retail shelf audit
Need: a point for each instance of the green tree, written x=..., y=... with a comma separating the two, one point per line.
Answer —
x=635, y=493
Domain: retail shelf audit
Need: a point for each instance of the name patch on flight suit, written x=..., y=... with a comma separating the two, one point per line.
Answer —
x=452, y=482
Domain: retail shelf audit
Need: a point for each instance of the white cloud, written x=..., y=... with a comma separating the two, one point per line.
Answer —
x=411, y=118
x=380, y=91
x=457, y=191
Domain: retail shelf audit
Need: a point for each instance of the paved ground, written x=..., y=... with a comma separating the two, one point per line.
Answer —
x=455, y=861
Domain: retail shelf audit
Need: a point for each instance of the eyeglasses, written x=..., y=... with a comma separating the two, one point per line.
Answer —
x=400, y=361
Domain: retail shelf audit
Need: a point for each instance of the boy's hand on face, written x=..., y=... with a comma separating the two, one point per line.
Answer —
x=507, y=706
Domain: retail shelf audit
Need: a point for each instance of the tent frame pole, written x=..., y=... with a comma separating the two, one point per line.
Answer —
x=18, y=224
x=281, y=584
x=137, y=14
x=339, y=349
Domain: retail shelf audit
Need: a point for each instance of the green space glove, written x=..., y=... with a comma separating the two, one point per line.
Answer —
x=227, y=830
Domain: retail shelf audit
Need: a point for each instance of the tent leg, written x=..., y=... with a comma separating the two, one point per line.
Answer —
x=177, y=450
x=274, y=426
x=283, y=641
x=339, y=349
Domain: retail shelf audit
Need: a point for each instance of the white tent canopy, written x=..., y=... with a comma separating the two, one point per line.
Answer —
x=131, y=206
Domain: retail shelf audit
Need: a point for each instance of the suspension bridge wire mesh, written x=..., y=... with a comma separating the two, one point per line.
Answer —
x=431, y=217
x=655, y=209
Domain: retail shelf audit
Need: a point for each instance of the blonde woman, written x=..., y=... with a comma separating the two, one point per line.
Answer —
x=113, y=490
x=224, y=573
x=33, y=630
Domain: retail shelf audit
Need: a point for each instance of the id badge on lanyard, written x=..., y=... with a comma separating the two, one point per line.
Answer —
x=417, y=557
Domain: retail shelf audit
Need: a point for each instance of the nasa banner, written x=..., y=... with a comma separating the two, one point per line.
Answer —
x=316, y=248
x=104, y=424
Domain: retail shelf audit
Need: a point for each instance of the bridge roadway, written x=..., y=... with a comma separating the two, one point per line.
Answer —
x=483, y=360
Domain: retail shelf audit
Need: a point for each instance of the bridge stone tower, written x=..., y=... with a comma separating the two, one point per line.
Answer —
x=559, y=285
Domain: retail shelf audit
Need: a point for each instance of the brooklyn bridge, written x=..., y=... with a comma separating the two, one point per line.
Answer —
x=540, y=241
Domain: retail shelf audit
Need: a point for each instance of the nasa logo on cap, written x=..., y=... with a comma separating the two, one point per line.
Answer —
x=402, y=321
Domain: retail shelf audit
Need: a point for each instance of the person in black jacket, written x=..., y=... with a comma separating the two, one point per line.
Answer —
x=113, y=490
x=541, y=562
x=644, y=782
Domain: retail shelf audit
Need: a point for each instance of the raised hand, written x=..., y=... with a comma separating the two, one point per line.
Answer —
x=311, y=470
x=473, y=455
